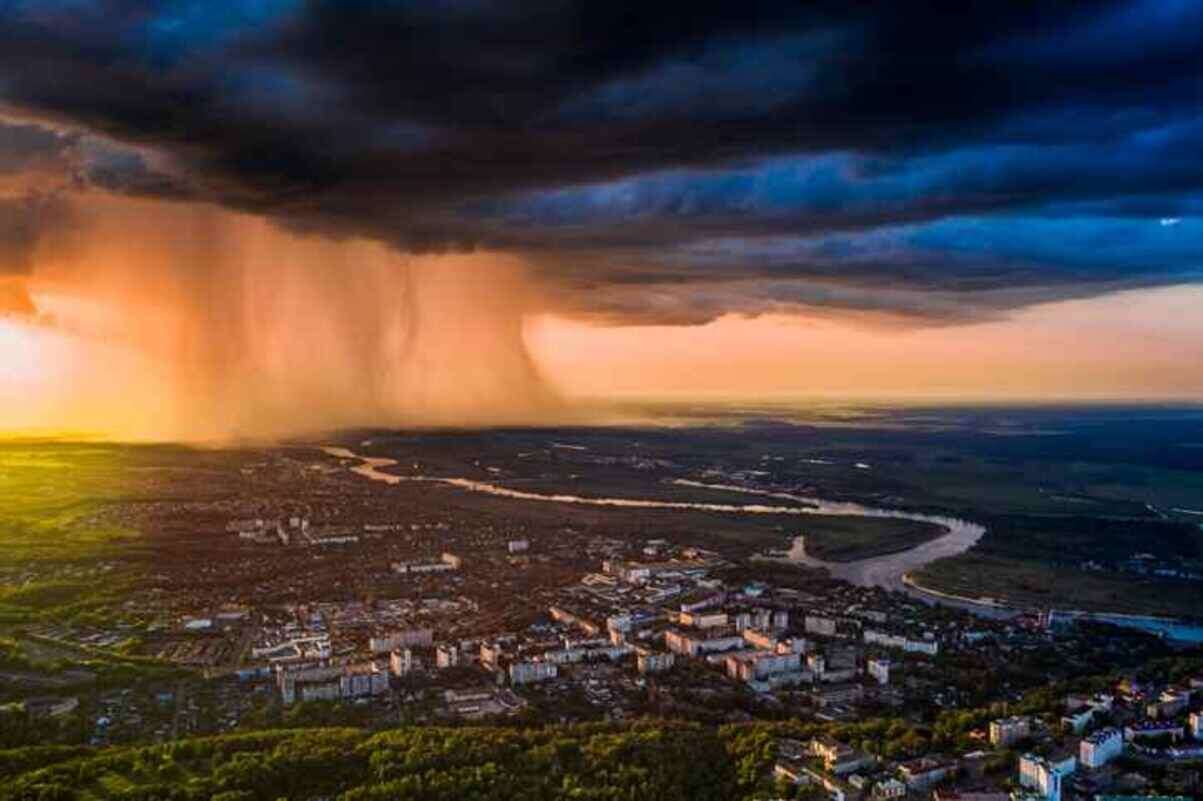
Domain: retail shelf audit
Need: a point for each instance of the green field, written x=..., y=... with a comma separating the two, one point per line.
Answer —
x=1040, y=561
x=62, y=560
x=50, y=496
x=836, y=538
x=1027, y=583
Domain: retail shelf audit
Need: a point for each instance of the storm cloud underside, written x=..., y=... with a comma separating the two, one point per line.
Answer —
x=933, y=163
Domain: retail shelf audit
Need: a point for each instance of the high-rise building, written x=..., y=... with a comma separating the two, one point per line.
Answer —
x=1005, y=731
x=1100, y=747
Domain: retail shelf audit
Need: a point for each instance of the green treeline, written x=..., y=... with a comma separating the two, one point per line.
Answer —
x=652, y=760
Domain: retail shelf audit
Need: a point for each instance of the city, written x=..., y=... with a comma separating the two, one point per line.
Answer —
x=286, y=588
x=490, y=400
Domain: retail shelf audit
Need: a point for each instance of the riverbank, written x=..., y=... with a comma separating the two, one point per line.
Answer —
x=882, y=570
x=892, y=571
x=998, y=609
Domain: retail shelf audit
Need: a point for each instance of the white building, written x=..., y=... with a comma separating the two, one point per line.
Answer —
x=358, y=681
x=1101, y=747
x=1005, y=731
x=753, y=667
x=764, y=640
x=564, y=656
x=794, y=645
x=1150, y=728
x=401, y=662
x=815, y=624
x=712, y=620
x=446, y=656
x=315, y=647
x=1043, y=776
x=880, y=670
x=490, y=654
x=407, y=638
x=531, y=672
x=1078, y=721
x=331, y=683
x=929, y=647
x=415, y=568
x=688, y=645
x=621, y=623
x=890, y=788
x=517, y=546
x=924, y=772
x=653, y=662
x=315, y=690
x=50, y=707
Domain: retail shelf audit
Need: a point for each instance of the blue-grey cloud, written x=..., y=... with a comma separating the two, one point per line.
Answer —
x=944, y=161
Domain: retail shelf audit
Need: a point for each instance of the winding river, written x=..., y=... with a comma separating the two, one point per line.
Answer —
x=888, y=571
x=880, y=571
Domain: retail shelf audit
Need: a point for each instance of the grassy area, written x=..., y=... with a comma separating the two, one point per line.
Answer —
x=1074, y=539
x=837, y=538
x=1037, y=560
x=50, y=497
x=63, y=559
x=1036, y=584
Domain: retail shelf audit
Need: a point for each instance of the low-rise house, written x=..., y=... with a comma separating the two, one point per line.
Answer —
x=689, y=645
x=925, y=772
x=889, y=788
x=1077, y=722
x=1169, y=705
x=817, y=624
x=839, y=758
x=1151, y=729
x=837, y=695
x=49, y=706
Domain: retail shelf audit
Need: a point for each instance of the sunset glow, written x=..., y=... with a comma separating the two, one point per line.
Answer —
x=294, y=247
x=440, y=400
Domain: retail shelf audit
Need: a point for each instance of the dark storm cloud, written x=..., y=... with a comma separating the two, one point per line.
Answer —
x=35, y=168
x=944, y=160
x=19, y=231
x=40, y=169
x=24, y=146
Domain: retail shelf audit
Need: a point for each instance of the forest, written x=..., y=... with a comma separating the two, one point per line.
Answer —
x=643, y=760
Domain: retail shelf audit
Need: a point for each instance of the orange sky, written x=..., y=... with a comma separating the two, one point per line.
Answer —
x=166, y=321
x=1146, y=344
x=1139, y=344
